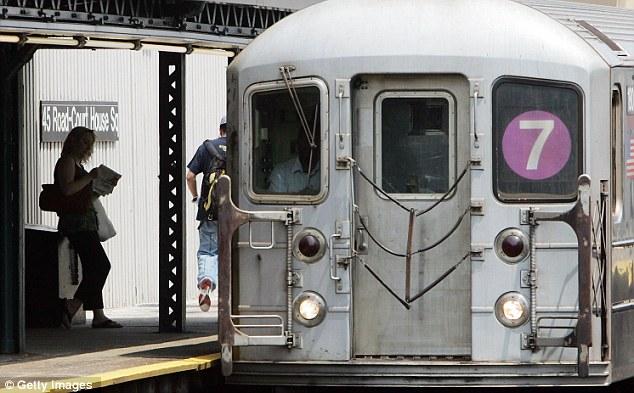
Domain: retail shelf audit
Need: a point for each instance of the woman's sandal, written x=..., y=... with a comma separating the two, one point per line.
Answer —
x=107, y=324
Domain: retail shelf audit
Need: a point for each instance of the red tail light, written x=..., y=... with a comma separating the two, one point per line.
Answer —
x=512, y=245
x=309, y=245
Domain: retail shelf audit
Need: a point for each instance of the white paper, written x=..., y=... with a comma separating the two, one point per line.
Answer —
x=106, y=181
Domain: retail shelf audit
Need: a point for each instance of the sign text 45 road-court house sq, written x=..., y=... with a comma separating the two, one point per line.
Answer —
x=57, y=118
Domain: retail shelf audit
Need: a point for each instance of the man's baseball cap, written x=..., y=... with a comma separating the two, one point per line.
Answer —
x=223, y=121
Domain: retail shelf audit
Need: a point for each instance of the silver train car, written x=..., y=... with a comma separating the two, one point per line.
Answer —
x=431, y=193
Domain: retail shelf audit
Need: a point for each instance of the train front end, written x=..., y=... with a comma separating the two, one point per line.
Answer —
x=412, y=201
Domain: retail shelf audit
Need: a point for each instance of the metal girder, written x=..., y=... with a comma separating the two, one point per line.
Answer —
x=11, y=260
x=221, y=19
x=172, y=190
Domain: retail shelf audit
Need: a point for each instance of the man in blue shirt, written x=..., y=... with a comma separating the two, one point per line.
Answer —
x=301, y=174
x=204, y=161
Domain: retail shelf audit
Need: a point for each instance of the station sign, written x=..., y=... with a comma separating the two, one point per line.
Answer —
x=57, y=118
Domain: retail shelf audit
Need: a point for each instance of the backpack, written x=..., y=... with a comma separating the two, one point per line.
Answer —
x=217, y=168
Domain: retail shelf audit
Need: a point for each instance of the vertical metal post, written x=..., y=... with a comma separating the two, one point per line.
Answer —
x=408, y=257
x=172, y=225
x=11, y=262
x=580, y=219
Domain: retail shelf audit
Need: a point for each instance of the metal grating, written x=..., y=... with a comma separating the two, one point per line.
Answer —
x=193, y=16
x=172, y=191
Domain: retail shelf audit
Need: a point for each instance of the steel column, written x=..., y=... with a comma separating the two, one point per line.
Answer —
x=11, y=228
x=172, y=254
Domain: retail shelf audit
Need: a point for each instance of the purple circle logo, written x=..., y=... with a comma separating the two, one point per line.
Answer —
x=536, y=145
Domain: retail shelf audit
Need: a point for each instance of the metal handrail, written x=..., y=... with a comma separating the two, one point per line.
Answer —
x=268, y=246
x=279, y=325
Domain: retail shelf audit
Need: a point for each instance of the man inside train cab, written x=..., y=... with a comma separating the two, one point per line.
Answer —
x=210, y=158
x=301, y=174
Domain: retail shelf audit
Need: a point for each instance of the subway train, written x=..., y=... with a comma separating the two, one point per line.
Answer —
x=431, y=193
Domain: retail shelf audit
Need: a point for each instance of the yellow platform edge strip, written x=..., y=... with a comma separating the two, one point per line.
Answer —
x=121, y=376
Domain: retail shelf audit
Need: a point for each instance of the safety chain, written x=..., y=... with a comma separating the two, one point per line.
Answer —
x=407, y=301
x=419, y=213
x=397, y=254
x=399, y=204
x=413, y=213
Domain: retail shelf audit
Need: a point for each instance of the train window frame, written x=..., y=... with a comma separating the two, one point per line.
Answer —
x=526, y=197
x=452, y=138
x=248, y=135
x=617, y=136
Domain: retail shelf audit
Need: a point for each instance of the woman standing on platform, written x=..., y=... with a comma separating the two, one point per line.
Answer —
x=81, y=229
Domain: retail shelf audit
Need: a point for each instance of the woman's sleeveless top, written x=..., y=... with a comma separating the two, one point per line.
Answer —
x=77, y=222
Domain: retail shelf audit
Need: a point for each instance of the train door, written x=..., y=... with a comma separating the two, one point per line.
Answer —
x=411, y=144
x=622, y=201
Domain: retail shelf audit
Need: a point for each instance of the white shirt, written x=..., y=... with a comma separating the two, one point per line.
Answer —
x=289, y=178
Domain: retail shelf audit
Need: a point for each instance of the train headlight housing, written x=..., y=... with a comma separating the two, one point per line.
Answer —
x=511, y=309
x=309, y=245
x=512, y=245
x=309, y=308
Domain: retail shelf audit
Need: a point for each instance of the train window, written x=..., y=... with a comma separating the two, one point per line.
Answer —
x=537, y=131
x=617, y=154
x=415, y=139
x=286, y=152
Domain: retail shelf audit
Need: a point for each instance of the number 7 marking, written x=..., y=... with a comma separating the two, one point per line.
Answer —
x=546, y=127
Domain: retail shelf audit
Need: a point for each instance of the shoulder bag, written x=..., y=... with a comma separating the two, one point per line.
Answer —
x=53, y=200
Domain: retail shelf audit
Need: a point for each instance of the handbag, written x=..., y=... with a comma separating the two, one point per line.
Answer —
x=53, y=200
x=105, y=229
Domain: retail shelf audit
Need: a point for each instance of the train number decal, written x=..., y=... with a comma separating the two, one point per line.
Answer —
x=536, y=145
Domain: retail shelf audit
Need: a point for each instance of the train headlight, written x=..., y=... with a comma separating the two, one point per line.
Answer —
x=309, y=245
x=511, y=309
x=309, y=308
x=511, y=245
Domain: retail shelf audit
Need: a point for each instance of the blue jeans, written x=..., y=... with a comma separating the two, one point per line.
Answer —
x=208, y=251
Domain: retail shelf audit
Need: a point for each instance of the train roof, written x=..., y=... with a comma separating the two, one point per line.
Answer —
x=539, y=30
x=609, y=30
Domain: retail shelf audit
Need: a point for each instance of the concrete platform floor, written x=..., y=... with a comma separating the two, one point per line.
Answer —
x=108, y=356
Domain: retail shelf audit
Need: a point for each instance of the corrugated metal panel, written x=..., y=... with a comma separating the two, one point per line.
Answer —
x=131, y=79
x=615, y=23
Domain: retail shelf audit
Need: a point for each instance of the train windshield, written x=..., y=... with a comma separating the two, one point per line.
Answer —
x=416, y=143
x=537, y=131
x=286, y=153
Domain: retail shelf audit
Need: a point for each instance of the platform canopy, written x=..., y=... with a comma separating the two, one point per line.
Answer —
x=168, y=25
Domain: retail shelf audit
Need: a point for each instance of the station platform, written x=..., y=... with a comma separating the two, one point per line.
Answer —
x=59, y=360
